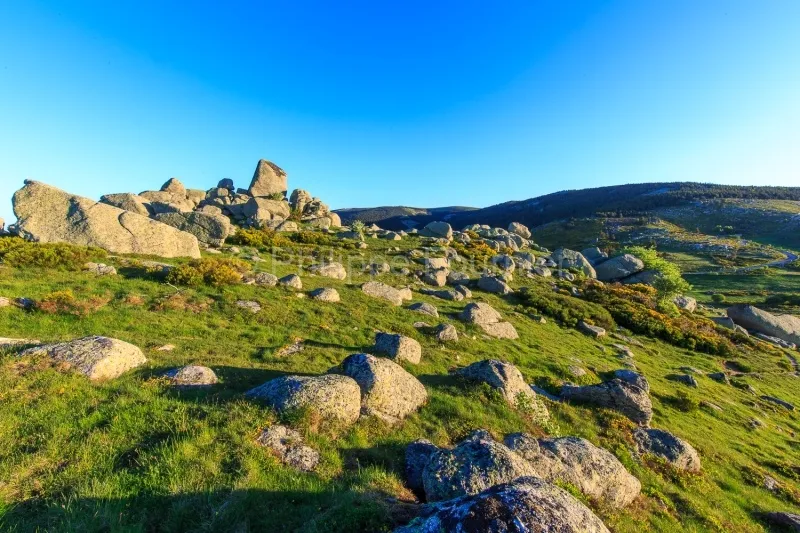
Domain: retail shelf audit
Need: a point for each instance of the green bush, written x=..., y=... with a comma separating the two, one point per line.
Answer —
x=259, y=238
x=566, y=309
x=670, y=282
x=209, y=271
x=718, y=298
x=18, y=252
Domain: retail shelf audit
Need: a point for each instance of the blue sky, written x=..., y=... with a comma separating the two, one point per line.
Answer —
x=385, y=102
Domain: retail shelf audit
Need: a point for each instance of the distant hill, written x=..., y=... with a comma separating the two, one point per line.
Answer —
x=617, y=200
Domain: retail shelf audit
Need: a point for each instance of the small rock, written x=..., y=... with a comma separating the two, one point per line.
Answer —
x=249, y=305
x=292, y=280
x=398, y=347
x=425, y=308
x=591, y=330
x=288, y=446
x=192, y=376
x=446, y=333
x=325, y=295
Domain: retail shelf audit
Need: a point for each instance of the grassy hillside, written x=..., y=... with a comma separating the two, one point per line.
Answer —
x=136, y=455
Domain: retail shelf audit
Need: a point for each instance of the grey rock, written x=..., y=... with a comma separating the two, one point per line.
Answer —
x=594, y=255
x=446, y=333
x=480, y=313
x=565, y=258
x=100, y=269
x=677, y=452
x=128, y=202
x=95, y=357
x=292, y=280
x=209, y=229
x=192, y=376
x=264, y=279
x=590, y=330
x=269, y=179
x=778, y=401
x=526, y=504
x=508, y=380
x=784, y=327
x=249, y=305
x=387, y=390
x=634, y=378
x=334, y=397
x=494, y=285
x=329, y=270
x=619, y=267
x=287, y=445
x=325, y=295
x=686, y=379
x=789, y=521
x=398, y=347
x=685, y=303
x=438, y=230
x=617, y=395
x=519, y=229
x=376, y=289
x=424, y=308
x=418, y=454
x=47, y=214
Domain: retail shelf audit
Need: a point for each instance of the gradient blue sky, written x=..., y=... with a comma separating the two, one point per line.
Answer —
x=399, y=102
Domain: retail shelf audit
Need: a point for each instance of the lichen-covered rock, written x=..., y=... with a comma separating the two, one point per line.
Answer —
x=210, y=229
x=594, y=255
x=424, y=308
x=329, y=270
x=677, y=452
x=788, y=521
x=398, y=347
x=292, y=281
x=387, y=390
x=525, y=505
x=593, y=470
x=619, y=267
x=128, y=202
x=264, y=279
x=616, y=394
x=334, y=397
x=287, y=445
x=446, y=333
x=418, y=453
x=376, y=289
x=494, y=285
x=269, y=179
x=326, y=294
x=507, y=379
x=633, y=378
x=519, y=229
x=438, y=230
x=784, y=327
x=192, y=376
x=480, y=313
x=685, y=303
x=565, y=259
x=474, y=465
x=95, y=357
x=100, y=269
x=47, y=214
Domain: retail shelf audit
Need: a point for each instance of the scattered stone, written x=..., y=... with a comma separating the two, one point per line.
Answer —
x=334, y=397
x=445, y=294
x=508, y=380
x=376, y=289
x=446, y=333
x=720, y=377
x=677, y=452
x=594, y=255
x=292, y=280
x=325, y=294
x=249, y=305
x=778, y=401
x=95, y=357
x=100, y=269
x=494, y=285
x=192, y=376
x=634, y=378
x=424, y=308
x=474, y=465
x=387, y=390
x=330, y=270
x=166, y=348
x=264, y=279
x=619, y=395
x=435, y=278
x=398, y=347
x=593, y=470
x=686, y=379
x=480, y=313
x=209, y=229
x=591, y=330
x=292, y=348
x=287, y=445
x=526, y=504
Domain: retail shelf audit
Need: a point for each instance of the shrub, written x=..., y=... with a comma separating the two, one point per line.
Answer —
x=358, y=226
x=21, y=253
x=313, y=237
x=211, y=271
x=259, y=238
x=566, y=309
x=65, y=302
x=718, y=298
x=670, y=282
x=478, y=251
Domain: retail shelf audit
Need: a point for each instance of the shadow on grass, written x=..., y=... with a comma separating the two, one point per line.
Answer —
x=336, y=509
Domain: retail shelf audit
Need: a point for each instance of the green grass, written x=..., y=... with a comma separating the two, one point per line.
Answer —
x=134, y=455
x=750, y=288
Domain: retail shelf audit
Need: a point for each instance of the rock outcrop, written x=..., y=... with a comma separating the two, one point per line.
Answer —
x=616, y=394
x=784, y=327
x=96, y=357
x=268, y=180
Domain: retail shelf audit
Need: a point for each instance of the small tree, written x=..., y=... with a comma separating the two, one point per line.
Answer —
x=358, y=226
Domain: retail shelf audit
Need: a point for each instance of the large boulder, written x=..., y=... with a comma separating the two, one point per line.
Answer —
x=508, y=380
x=677, y=452
x=489, y=320
x=566, y=258
x=646, y=277
x=95, y=357
x=129, y=202
x=526, y=504
x=260, y=210
x=594, y=255
x=376, y=289
x=387, y=390
x=439, y=230
x=619, y=267
x=494, y=285
x=593, y=470
x=47, y=214
x=398, y=347
x=474, y=465
x=209, y=229
x=519, y=229
x=333, y=396
x=615, y=394
x=299, y=199
x=269, y=179
x=784, y=327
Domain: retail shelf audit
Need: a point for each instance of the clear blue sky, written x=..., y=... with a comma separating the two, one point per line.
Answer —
x=422, y=103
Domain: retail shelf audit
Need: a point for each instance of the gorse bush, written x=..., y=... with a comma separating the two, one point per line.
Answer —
x=259, y=238
x=477, y=251
x=564, y=308
x=669, y=283
x=21, y=253
x=210, y=271
x=66, y=302
x=635, y=307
